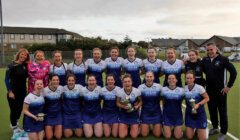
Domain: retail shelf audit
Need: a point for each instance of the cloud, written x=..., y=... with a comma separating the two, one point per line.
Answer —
x=137, y=18
x=69, y=9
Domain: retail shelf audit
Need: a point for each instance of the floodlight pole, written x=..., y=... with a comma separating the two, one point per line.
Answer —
x=3, y=58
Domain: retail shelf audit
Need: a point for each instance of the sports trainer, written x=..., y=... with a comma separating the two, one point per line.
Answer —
x=215, y=66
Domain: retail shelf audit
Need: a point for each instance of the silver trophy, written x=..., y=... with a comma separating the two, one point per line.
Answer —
x=192, y=103
x=40, y=116
x=127, y=102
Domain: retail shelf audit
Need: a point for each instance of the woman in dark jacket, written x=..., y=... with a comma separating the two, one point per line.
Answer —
x=15, y=80
x=194, y=63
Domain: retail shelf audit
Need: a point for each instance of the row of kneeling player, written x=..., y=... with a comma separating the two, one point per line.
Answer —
x=56, y=110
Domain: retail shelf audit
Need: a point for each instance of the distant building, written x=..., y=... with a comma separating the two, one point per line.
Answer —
x=17, y=37
x=189, y=44
x=223, y=41
x=166, y=43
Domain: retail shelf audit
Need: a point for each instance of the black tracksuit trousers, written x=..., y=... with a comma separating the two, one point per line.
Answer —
x=218, y=104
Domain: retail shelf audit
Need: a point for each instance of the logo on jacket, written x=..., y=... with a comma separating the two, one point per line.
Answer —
x=217, y=63
x=198, y=69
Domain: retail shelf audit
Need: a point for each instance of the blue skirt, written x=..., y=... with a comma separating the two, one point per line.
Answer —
x=129, y=118
x=30, y=125
x=198, y=121
x=53, y=119
x=172, y=120
x=72, y=121
x=151, y=117
x=110, y=118
x=92, y=118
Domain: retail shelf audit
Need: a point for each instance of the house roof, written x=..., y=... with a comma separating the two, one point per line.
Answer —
x=167, y=42
x=33, y=30
x=231, y=40
x=198, y=42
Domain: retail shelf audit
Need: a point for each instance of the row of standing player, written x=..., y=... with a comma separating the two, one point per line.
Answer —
x=117, y=66
x=115, y=121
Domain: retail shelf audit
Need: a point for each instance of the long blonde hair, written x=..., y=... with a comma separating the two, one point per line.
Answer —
x=21, y=51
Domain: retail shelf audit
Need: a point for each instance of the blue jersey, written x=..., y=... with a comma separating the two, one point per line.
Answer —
x=96, y=68
x=198, y=120
x=129, y=117
x=53, y=100
x=36, y=105
x=71, y=100
x=155, y=67
x=53, y=106
x=176, y=68
x=172, y=107
x=151, y=111
x=91, y=105
x=79, y=71
x=115, y=67
x=61, y=71
x=110, y=109
x=72, y=118
x=133, y=68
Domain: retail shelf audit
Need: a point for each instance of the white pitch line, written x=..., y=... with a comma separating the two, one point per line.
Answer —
x=229, y=134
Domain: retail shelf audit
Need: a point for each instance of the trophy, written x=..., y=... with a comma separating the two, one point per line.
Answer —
x=127, y=102
x=192, y=103
x=40, y=116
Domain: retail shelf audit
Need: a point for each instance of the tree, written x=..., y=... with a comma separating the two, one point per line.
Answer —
x=126, y=42
x=143, y=44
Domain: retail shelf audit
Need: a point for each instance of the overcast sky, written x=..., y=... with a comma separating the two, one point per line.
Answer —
x=140, y=19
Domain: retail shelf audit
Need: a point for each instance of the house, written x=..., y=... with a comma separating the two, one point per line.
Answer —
x=189, y=44
x=166, y=43
x=223, y=42
x=17, y=37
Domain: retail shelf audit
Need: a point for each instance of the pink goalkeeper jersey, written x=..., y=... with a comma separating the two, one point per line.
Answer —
x=37, y=71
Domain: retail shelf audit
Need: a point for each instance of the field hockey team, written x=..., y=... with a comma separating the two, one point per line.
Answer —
x=65, y=100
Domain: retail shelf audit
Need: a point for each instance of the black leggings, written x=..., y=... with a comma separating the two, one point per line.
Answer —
x=16, y=106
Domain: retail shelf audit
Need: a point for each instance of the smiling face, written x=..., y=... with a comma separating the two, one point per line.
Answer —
x=149, y=77
x=22, y=56
x=38, y=85
x=127, y=83
x=131, y=52
x=114, y=54
x=211, y=51
x=39, y=56
x=57, y=57
x=151, y=54
x=192, y=56
x=91, y=81
x=190, y=79
x=71, y=82
x=97, y=54
x=171, y=54
x=172, y=80
x=78, y=55
x=110, y=81
x=55, y=81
